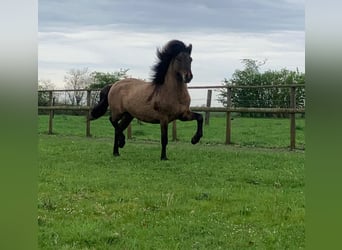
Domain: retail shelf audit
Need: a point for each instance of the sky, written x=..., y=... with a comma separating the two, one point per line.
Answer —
x=109, y=35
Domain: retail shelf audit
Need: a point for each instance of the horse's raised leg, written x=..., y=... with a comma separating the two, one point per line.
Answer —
x=125, y=121
x=164, y=139
x=116, y=135
x=189, y=116
x=119, y=137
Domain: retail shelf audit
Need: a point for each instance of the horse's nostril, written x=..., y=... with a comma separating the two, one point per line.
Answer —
x=187, y=77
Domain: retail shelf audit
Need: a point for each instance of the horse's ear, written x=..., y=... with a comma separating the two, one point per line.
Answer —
x=190, y=48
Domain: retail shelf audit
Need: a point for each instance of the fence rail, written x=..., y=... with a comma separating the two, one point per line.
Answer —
x=228, y=110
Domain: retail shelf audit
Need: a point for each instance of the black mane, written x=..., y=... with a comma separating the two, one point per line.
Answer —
x=165, y=55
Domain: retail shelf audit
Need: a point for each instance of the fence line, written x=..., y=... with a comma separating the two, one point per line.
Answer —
x=201, y=87
x=207, y=109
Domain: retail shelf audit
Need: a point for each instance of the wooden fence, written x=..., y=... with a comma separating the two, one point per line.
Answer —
x=229, y=109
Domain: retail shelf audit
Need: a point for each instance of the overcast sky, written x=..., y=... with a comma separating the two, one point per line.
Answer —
x=106, y=35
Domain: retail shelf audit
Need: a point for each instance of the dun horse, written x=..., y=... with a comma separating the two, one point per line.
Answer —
x=161, y=101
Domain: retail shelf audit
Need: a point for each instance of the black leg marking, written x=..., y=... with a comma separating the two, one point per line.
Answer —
x=116, y=143
x=199, y=118
x=121, y=140
x=125, y=121
x=116, y=136
x=199, y=133
x=164, y=139
x=119, y=137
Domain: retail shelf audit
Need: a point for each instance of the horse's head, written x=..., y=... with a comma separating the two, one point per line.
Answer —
x=177, y=55
x=182, y=65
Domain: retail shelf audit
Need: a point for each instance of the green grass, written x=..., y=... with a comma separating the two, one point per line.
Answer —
x=250, y=132
x=207, y=196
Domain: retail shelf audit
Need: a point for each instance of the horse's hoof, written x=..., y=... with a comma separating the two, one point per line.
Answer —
x=116, y=154
x=194, y=140
x=164, y=158
x=122, y=143
x=91, y=118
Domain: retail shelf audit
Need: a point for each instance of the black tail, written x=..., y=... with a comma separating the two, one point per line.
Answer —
x=101, y=108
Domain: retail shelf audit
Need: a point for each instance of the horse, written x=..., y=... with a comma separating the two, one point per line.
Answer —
x=163, y=100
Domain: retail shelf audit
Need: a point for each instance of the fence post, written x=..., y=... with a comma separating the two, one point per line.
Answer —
x=228, y=116
x=88, y=114
x=293, y=119
x=51, y=113
x=53, y=104
x=207, y=113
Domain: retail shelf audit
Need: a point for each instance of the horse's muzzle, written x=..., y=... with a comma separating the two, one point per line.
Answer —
x=187, y=77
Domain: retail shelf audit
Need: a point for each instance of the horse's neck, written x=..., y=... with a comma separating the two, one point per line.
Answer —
x=173, y=92
x=174, y=88
x=171, y=83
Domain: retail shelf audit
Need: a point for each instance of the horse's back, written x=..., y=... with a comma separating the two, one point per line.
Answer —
x=129, y=95
x=130, y=88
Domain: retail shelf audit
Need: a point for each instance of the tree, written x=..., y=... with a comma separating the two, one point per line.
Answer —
x=101, y=79
x=262, y=97
x=78, y=80
x=43, y=96
x=249, y=76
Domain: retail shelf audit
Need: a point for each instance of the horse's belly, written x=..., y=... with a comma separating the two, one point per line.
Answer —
x=152, y=115
x=144, y=113
x=153, y=121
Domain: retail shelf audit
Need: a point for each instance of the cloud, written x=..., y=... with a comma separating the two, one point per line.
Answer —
x=176, y=15
x=107, y=35
x=216, y=56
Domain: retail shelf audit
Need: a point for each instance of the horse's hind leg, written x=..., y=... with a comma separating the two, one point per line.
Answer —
x=125, y=121
x=119, y=137
x=115, y=124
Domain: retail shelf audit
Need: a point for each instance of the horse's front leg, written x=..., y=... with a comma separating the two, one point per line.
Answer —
x=116, y=142
x=164, y=138
x=116, y=136
x=190, y=116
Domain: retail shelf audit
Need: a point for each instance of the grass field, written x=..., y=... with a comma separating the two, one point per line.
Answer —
x=257, y=132
x=207, y=196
